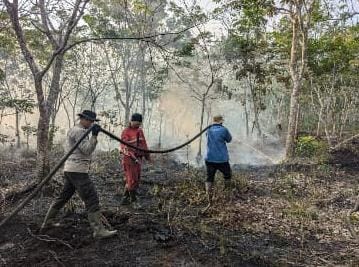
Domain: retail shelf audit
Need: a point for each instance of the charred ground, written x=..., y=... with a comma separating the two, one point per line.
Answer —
x=287, y=215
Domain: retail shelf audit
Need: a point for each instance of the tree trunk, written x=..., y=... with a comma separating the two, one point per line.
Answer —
x=246, y=113
x=46, y=108
x=27, y=141
x=45, y=105
x=294, y=105
x=43, y=143
x=52, y=132
x=297, y=122
x=256, y=123
x=127, y=115
x=17, y=130
x=160, y=133
x=143, y=82
x=201, y=127
x=320, y=118
x=300, y=24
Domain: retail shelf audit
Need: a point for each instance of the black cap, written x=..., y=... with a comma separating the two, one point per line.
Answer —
x=88, y=115
x=136, y=117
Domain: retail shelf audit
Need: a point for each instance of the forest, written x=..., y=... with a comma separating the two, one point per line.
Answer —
x=114, y=113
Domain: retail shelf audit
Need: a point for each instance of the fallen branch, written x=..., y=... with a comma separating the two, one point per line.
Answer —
x=53, y=253
x=344, y=142
x=47, y=238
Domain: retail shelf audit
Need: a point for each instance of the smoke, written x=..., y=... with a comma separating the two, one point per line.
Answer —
x=181, y=120
x=181, y=113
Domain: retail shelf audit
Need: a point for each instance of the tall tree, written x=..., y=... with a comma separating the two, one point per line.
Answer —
x=300, y=14
x=57, y=34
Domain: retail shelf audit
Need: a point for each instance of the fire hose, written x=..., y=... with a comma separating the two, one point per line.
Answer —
x=67, y=155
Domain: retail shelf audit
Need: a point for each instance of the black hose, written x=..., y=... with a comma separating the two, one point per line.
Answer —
x=151, y=151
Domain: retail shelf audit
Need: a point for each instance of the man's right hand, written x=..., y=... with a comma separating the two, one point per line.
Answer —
x=96, y=129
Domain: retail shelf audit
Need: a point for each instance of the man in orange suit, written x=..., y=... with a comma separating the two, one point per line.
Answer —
x=132, y=159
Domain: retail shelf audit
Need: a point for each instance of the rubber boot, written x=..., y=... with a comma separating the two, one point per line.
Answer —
x=209, y=192
x=134, y=200
x=99, y=230
x=50, y=217
x=125, y=198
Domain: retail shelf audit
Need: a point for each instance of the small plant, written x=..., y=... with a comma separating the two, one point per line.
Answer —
x=301, y=209
x=310, y=147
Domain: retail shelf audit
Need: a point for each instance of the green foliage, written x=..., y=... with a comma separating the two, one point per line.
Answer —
x=186, y=50
x=309, y=147
x=334, y=51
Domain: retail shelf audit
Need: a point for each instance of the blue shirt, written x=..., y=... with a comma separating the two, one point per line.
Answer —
x=217, y=137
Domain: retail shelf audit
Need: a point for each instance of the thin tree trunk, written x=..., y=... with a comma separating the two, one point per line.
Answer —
x=201, y=126
x=320, y=118
x=294, y=104
x=160, y=134
x=17, y=130
x=296, y=68
x=246, y=113
x=297, y=122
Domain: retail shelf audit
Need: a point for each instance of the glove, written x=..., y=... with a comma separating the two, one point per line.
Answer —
x=96, y=129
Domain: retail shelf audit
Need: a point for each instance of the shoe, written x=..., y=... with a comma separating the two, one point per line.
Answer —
x=99, y=230
x=50, y=218
x=134, y=200
x=126, y=198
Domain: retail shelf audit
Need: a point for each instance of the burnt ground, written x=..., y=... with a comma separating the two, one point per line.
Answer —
x=292, y=215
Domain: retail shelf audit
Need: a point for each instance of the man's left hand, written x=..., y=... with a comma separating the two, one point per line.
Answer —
x=95, y=129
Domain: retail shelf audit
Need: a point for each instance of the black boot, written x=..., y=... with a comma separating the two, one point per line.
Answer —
x=126, y=198
x=134, y=200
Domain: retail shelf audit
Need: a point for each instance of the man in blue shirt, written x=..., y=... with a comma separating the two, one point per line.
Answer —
x=217, y=155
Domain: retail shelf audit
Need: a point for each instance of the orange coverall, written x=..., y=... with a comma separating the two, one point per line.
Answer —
x=132, y=158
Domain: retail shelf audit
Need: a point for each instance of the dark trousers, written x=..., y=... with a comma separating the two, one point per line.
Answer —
x=212, y=168
x=80, y=182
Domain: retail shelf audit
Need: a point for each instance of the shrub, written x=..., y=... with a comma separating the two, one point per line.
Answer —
x=309, y=147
